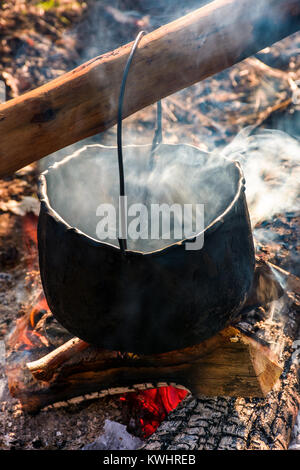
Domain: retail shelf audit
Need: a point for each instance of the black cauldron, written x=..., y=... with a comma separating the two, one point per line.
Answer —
x=144, y=301
x=144, y=296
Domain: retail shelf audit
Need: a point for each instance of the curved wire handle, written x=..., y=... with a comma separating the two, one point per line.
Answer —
x=156, y=141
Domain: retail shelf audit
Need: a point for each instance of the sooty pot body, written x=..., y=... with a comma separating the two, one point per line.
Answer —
x=146, y=302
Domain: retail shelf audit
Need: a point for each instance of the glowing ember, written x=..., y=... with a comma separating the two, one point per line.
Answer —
x=40, y=305
x=153, y=406
x=24, y=335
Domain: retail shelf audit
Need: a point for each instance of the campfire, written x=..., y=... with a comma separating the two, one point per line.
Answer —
x=161, y=328
x=61, y=373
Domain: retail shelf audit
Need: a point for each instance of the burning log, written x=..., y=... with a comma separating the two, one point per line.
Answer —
x=230, y=363
x=84, y=101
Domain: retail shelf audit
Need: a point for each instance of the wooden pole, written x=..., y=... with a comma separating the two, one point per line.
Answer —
x=84, y=101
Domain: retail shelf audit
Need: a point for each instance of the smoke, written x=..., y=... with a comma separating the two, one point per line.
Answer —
x=112, y=24
x=271, y=164
x=180, y=174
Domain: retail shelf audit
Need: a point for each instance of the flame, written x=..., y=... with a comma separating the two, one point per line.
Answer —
x=40, y=305
x=25, y=336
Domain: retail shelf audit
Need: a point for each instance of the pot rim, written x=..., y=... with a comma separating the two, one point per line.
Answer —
x=44, y=200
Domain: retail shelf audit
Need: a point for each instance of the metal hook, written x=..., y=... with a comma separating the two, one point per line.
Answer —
x=156, y=140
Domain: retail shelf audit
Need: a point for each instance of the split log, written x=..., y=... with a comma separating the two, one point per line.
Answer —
x=84, y=101
x=230, y=363
x=44, y=368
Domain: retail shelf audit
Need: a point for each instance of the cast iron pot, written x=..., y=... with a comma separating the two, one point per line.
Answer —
x=151, y=302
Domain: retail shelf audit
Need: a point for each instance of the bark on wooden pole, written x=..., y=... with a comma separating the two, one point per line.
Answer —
x=83, y=102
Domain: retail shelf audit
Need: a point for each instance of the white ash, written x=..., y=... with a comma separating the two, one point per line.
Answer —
x=4, y=393
x=295, y=442
x=2, y=92
x=115, y=437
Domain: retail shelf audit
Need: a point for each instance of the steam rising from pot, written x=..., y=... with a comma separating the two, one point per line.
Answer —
x=174, y=175
x=271, y=163
x=179, y=175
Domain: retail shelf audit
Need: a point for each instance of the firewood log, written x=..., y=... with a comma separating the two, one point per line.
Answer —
x=231, y=363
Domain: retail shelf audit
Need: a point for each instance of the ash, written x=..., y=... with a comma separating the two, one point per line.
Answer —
x=295, y=442
x=4, y=394
x=115, y=437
